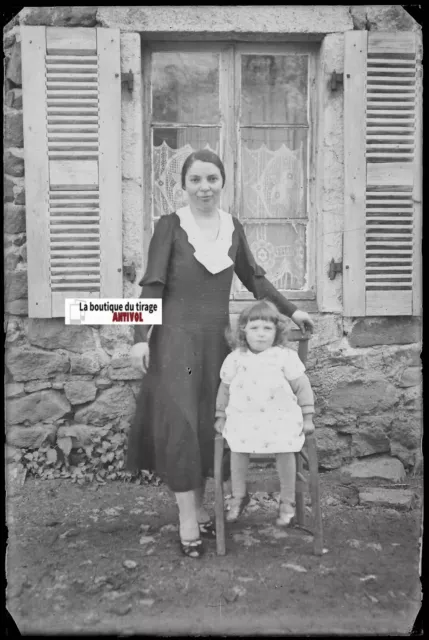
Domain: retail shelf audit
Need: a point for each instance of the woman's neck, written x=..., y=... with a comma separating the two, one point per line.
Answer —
x=204, y=214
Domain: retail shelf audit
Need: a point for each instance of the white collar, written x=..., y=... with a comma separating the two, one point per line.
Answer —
x=212, y=255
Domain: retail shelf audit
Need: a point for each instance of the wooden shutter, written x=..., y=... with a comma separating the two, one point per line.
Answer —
x=72, y=148
x=382, y=129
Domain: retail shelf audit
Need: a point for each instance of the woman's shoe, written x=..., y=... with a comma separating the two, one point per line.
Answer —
x=236, y=508
x=286, y=515
x=192, y=548
x=207, y=529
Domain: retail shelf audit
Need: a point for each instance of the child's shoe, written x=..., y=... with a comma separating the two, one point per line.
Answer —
x=286, y=514
x=236, y=508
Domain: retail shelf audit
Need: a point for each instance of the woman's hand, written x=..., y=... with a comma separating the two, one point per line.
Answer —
x=219, y=425
x=139, y=356
x=303, y=320
x=308, y=424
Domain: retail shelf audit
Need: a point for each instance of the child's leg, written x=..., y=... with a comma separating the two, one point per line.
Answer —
x=286, y=468
x=239, y=466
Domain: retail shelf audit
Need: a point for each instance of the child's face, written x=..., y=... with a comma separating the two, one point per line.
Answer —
x=260, y=334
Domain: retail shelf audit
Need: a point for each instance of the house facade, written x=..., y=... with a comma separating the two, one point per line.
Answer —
x=316, y=113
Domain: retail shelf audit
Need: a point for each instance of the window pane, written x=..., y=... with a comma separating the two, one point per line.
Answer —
x=280, y=249
x=274, y=89
x=185, y=87
x=170, y=149
x=274, y=173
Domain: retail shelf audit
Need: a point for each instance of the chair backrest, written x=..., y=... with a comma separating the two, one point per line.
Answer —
x=295, y=335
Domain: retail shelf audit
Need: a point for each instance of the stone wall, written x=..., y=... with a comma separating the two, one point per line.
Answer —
x=365, y=371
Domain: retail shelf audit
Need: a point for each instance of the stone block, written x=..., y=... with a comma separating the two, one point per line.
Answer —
x=60, y=16
x=383, y=467
x=412, y=398
x=103, y=383
x=265, y=21
x=389, y=18
x=14, y=218
x=14, y=331
x=25, y=363
x=392, y=498
x=331, y=448
x=113, y=336
x=116, y=402
x=79, y=391
x=82, y=435
x=36, y=407
x=16, y=285
x=52, y=333
x=23, y=252
x=19, y=192
x=31, y=437
x=12, y=259
x=37, y=385
x=368, y=332
x=124, y=373
x=15, y=390
x=407, y=456
x=13, y=71
x=12, y=454
x=8, y=185
x=370, y=393
x=368, y=442
x=17, y=307
x=407, y=429
x=85, y=363
x=14, y=101
x=13, y=162
x=13, y=129
x=411, y=377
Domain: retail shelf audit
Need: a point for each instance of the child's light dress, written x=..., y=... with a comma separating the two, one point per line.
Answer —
x=263, y=415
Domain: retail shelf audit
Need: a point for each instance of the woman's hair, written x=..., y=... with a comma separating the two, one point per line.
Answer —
x=205, y=155
x=261, y=310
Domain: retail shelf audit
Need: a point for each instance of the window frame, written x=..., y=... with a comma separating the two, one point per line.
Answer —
x=229, y=136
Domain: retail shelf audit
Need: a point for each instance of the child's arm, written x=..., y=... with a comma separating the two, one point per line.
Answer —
x=222, y=400
x=304, y=394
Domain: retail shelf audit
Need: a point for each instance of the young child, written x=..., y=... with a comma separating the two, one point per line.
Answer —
x=264, y=404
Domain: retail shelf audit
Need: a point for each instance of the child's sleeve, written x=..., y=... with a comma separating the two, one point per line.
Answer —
x=222, y=400
x=227, y=373
x=229, y=368
x=294, y=372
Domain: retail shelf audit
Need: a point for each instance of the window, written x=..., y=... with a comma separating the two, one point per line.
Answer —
x=254, y=105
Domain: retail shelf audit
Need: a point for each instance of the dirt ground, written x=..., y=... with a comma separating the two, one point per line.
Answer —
x=68, y=543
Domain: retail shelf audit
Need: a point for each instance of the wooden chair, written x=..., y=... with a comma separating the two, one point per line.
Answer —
x=308, y=454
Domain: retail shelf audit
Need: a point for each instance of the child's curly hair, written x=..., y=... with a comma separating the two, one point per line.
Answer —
x=261, y=310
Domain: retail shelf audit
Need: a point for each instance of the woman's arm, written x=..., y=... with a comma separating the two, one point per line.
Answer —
x=156, y=273
x=253, y=277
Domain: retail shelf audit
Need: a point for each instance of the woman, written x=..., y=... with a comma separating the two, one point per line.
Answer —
x=192, y=258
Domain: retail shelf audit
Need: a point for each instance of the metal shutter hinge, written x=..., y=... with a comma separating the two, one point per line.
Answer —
x=334, y=268
x=128, y=78
x=336, y=79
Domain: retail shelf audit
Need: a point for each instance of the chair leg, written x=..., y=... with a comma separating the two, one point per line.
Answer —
x=299, y=492
x=219, y=504
x=315, y=495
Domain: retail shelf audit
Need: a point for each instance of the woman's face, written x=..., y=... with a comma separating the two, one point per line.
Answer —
x=203, y=184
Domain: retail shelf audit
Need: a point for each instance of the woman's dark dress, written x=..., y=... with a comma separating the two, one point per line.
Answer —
x=173, y=429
